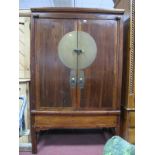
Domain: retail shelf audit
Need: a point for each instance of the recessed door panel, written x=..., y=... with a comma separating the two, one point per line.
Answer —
x=78, y=64
x=52, y=76
x=99, y=89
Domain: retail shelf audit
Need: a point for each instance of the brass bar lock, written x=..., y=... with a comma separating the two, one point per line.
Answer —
x=78, y=51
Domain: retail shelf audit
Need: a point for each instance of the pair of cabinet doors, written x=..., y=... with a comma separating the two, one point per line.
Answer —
x=76, y=64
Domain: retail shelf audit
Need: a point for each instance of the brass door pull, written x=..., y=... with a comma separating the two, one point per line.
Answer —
x=73, y=78
x=81, y=79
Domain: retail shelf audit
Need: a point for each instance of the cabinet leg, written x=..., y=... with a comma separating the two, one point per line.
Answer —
x=117, y=128
x=117, y=131
x=34, y=141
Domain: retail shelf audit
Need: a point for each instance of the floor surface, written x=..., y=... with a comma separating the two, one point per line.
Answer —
x=83, y=142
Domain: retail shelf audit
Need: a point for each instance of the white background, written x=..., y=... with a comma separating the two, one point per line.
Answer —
x=145, y=78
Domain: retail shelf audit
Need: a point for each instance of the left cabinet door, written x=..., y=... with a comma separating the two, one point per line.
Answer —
x=50, y=77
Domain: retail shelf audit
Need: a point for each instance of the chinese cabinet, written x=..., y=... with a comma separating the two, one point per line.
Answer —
x=76, y=69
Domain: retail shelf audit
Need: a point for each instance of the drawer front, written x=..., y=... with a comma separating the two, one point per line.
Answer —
x=132, y=119
x=62, y=121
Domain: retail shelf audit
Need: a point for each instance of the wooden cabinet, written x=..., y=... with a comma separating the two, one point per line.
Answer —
x=128, y=125
x=128, y=88
x=76, y=69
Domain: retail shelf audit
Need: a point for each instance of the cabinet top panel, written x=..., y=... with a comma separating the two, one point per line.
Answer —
x=78, y=10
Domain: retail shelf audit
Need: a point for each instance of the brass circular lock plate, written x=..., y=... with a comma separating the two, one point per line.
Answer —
x=77, y=49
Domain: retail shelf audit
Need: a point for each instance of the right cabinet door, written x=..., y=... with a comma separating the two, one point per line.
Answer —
x=102, y=77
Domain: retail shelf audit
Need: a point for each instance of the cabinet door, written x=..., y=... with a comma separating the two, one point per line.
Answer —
x=51, y=76
x=102, y=79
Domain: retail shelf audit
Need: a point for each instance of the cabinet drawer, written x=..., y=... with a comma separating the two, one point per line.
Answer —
x=132, y=119
x=62, y=121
